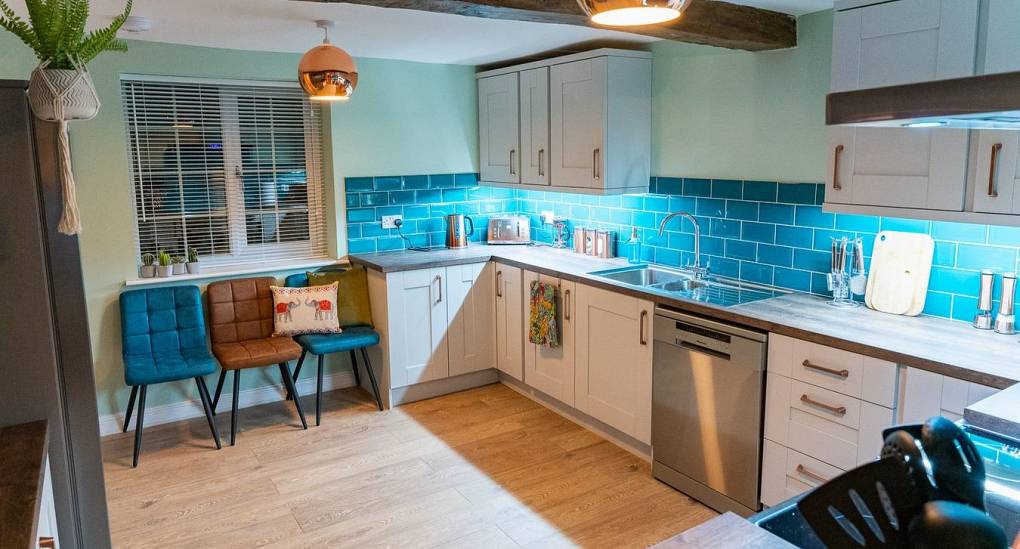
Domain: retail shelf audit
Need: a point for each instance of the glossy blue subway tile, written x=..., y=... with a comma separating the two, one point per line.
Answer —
x=819, y=194
x=905, y=225
x=819, y=284
x=697, y=187
x=945, y=254
x=501, y=192
x=657, y=203
x=797, y=237
x=653, y=238
x=466, y=208
x=1004, y=236
x=667, y=256
x=727, y=188
x=490, y=207
x=412, y=182
x=354, y=230
x=739, y=249
x=682, y=204
x=954, y=281
x=402, y=197
x=361, y=245
x=669, y=185
x=724, y=228
x=756, y=272
x=428, y=197
x=390, y=183
x=760, y=191
x=612, y=201
x=479, y=193
x=374, y=229
x=813, y=216
x=938, y=304
x=653, y=185
x=442, y=210
x=758, y=232
x=724, y=267
x=466, y=179
x=389, y=243
x=387, y=210
x=358, y=215
x=792, y=279
x=375, y=199
x=454, y=195
x=710, y=207
x=776, y=213
x=823, y=238
x=812, y=260
x=599, y=214
x=580, y=212
x=431, y=225
x=353, y=200
x=645, y=220
x=681, y=241
x=959, y=232
x=358, y=184
x=858, y=223
x=742, y=209
x=442, y=181
x=632, y=201
x=973, y=256
x=964, y=308
x=781, y=256
x=796, y=193
x=713, y=246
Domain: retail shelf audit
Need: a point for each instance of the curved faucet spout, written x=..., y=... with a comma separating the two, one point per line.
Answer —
x=699, y=272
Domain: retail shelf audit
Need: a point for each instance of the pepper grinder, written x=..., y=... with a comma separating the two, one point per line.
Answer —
x=1005, y=321
x=983, y=318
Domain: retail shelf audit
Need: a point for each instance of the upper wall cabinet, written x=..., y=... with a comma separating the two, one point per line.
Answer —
x=583, y=123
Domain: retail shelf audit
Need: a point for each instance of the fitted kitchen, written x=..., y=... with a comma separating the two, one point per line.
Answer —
x=672, y=273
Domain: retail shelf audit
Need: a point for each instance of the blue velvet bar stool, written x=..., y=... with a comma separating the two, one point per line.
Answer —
x=353, y=339
x=163, y=332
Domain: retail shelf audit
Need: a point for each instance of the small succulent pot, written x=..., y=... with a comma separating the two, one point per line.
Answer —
x=180, y=268
x=164, y=271
x=193, y=267
x=147, y=271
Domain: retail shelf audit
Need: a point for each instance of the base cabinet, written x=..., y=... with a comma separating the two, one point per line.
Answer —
x=925, y=394
x=471, y=317
x=613, y=360
x=551, y=370
x=417, y=322
x=509, y=321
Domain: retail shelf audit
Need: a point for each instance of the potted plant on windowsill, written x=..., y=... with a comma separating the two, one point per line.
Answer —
x=179, y=267
x=165, y=268
x=148, y=269
x=193, y=266
x=60, y=88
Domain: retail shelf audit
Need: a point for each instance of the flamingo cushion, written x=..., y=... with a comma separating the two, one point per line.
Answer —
x=308, y=310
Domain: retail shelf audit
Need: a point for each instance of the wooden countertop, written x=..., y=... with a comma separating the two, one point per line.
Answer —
x=725, y=532
x=23, y=451
x=929, y=343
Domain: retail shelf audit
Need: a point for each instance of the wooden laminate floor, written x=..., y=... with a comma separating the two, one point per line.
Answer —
x=479, y=469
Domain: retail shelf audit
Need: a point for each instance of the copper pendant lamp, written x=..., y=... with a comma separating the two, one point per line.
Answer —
x=326, y=72
x=628, y=13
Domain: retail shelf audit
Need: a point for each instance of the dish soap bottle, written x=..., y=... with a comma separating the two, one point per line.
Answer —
x=634, y=247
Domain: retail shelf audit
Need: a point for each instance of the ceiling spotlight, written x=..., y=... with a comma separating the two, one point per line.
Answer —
x=326, y=72
x=628, y=13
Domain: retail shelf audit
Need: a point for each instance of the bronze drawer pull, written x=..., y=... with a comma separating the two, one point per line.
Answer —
x=839, y=373
x=835, y=168
x=992, y=191
x=541, y=163
x=641, y=334
x=566, y=305
x=499, y=282
x=811, y=474
x=838, y=410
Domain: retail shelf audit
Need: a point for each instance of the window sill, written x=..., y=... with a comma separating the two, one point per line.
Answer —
x=233, y=272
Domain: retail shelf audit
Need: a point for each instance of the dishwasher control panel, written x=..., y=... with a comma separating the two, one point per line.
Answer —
x=704, y=338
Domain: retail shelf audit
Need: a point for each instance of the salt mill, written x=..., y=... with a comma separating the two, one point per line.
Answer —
x=1005, y=321
x=983, y=317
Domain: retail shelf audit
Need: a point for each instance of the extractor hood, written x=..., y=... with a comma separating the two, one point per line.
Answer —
x=989, y=101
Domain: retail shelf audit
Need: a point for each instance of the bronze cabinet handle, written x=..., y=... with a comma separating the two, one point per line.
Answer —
x=566, y=305
x=838, y=410
x=835, y=168
x=512, y=172
x=641, y=334
x=499, y=283
x=838, y=373
x=993, y=192
x=541, y=155
x=438, y=280
x=596, y=157
x=811, y=474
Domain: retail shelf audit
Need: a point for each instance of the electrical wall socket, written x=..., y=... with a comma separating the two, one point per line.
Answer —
x=547, y=217
x=390, y=221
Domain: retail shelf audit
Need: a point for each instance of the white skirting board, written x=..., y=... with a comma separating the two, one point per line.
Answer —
x=156, y=415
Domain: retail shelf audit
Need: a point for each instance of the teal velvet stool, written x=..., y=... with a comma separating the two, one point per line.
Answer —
x=163, y=332
x=351, y=340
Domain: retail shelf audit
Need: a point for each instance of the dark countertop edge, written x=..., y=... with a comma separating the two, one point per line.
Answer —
x=721, y=313
x=23, y=450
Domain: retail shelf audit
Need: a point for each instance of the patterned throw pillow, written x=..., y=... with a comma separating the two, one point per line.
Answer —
x=310, y=310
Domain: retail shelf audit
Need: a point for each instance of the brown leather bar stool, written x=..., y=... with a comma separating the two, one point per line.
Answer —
x=241, y=326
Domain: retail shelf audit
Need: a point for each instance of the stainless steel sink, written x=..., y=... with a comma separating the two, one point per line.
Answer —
x=683, y=284
x=644, y=275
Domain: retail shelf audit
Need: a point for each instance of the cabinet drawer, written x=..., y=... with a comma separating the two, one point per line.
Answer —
x=828, y=405
x=847, y=373
x=786, y=473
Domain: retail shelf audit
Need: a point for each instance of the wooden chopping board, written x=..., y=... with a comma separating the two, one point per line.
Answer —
x=900, y=268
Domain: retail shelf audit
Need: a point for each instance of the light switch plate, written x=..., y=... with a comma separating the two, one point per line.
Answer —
x=390, y=221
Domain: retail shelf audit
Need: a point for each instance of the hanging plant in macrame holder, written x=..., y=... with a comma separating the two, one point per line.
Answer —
x=60, y=95
x=61, y=89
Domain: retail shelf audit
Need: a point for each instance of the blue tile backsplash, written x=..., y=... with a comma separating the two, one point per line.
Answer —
x=760, y=231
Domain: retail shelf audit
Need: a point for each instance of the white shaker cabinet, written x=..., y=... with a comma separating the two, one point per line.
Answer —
x=1001, y=37
x=578, y=99
x=471, y=317
x=613, y=360
x=551, y=370
x=534, y=104
x=417, y=324
x=509, y=321
x=996, y=172
x=499, y=128
x=925, y=394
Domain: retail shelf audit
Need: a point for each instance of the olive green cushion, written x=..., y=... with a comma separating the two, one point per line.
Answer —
x=352, y=296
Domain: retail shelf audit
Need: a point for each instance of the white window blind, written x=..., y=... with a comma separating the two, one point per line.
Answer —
x=230, y=168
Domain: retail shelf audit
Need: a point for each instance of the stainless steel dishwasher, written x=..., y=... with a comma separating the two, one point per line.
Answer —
x=707, y=404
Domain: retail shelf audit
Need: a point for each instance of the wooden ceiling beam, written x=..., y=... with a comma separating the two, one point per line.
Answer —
x=706, y=22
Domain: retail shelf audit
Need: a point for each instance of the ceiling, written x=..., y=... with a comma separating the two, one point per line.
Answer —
x=286, y=26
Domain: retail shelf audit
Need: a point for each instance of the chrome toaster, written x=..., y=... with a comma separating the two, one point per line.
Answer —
x=509, y=229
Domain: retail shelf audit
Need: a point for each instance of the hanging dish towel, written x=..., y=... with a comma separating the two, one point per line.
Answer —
x=542, y=326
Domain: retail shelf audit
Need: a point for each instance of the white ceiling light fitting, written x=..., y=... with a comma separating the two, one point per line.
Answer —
x=629, y=13
x=137, y=23
x=326, y=72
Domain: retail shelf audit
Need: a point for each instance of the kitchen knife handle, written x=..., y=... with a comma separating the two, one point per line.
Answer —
x=811, y=474
x=835, y=168
x=838, y=410
x=993, y=192
x=839, y=373
x=641, y=334
x=499, y=283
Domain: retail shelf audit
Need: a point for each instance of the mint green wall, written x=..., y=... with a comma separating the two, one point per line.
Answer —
x=724, y=114
x=406, y=118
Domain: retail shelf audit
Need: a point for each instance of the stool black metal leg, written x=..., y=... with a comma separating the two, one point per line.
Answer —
x=354, y=367
x=297, y=370
x=219, y=389
x=131, y=406
x=139, y=422
x=203, y=394
x=233, y=407
x=289, y=382
x=371, y=377
x=318, y=393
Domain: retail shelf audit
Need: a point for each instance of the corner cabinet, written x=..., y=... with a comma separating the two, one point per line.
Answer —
x=613, y=360
x=583, y=123
x=509, y=321
x=546, y=369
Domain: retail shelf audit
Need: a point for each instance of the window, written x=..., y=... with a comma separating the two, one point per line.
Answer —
x=232, y=169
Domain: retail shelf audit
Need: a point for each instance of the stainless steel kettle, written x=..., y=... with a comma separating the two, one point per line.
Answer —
x=458, y=228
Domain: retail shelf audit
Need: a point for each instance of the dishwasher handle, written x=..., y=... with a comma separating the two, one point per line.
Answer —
x=694, y=347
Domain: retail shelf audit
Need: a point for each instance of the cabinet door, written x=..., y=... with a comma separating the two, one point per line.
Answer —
x=613, y=360
x=927, y=394
x=1001, y=37
x=535, y=126
x=417, y=321
x=509, y=321
x=499, y=128
x=904, y=168
x=996, y=174
x=546, y=369
x=903, y=41
x=471, y=317
x=577, y=94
